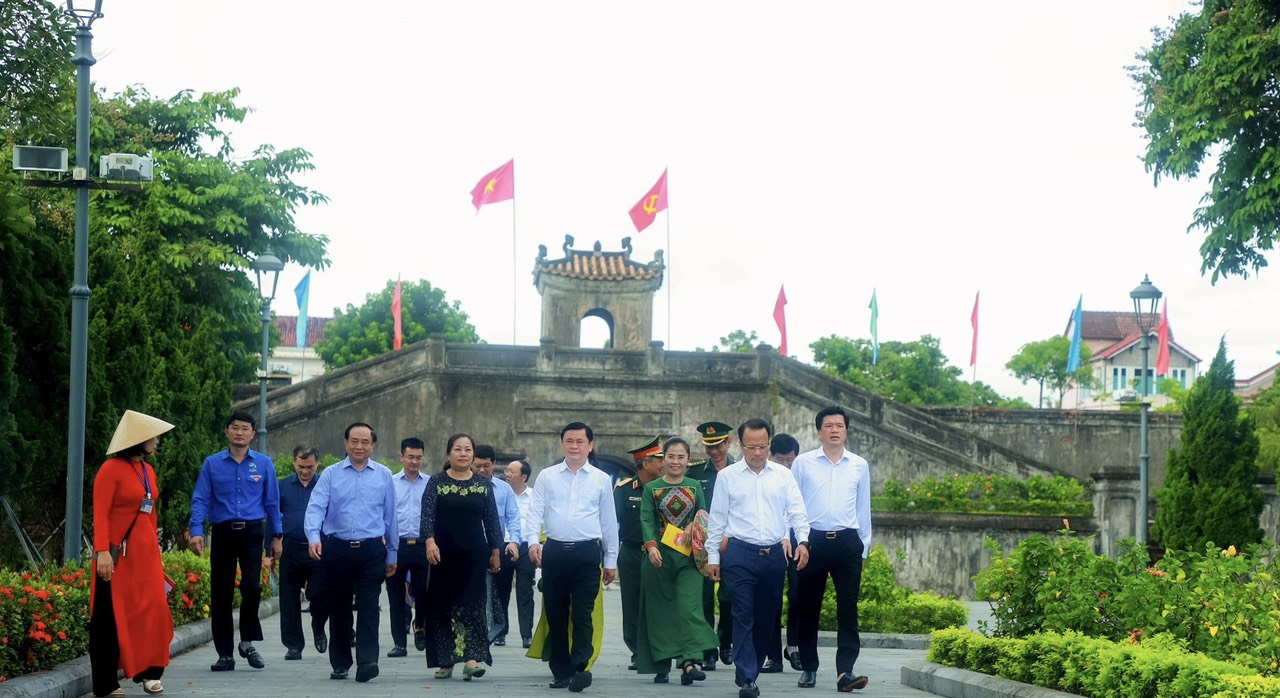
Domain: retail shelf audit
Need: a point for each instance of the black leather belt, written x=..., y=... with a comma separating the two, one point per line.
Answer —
x=832, y=535
x=236, y=525
x=411, y=541
x=353, y=543
x=759, y=549
x=571, y=544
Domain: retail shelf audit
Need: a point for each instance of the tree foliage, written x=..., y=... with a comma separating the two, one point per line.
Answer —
x=1265, y=411
x=1210, y=492
x=173, y=319
x=362, y=333
x=914, y=373
x=1209, y=91
x=1045, y=362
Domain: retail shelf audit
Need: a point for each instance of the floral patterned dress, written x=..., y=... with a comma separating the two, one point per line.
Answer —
x=462, y=516
x=672, y=625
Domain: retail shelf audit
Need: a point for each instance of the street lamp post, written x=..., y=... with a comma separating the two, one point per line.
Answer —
x=267, y=265
x=84, y=13
x=1146, y=299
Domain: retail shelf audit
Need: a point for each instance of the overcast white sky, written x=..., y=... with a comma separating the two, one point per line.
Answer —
x=926, y=150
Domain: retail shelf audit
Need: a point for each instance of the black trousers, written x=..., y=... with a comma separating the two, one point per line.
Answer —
x=837, y=554
x=525, y=573
x=503, y=582
x=104, y=643
x=753, y=575
x=630, y=557
x=793, y=586
x=411, y=571
x=353, y=570
x=298, y=570
x=235, y=544
x=570, y=575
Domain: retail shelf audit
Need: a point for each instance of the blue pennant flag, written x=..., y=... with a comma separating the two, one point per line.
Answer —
x=875, y=334
x=303, y=292
x=1073, y=354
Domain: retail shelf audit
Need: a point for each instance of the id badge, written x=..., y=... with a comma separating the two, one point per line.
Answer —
x=147, y=506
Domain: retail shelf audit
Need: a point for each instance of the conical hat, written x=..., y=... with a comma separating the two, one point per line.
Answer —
x=136, y=428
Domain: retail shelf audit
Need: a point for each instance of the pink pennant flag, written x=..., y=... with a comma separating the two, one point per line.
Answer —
x=395, y=315
x=780, y=317
x=499, y=185
x=1162, y=335
x=973, y=320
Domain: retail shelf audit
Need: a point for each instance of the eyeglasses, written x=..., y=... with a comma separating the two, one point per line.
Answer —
x=764, y=447
x=239, y=430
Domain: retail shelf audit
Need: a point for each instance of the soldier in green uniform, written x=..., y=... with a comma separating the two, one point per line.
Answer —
x=717, y=437
x=626, y=501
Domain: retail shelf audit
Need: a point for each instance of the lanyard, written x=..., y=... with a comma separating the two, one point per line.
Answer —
x=142, y=476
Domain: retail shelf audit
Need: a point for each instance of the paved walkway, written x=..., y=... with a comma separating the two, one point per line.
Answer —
x=512, y=674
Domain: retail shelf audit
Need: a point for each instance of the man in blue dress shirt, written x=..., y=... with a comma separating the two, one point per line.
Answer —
x=509, y=516
x=411, y=568
x=297, y=569
x=236, y=490
x=351, y=526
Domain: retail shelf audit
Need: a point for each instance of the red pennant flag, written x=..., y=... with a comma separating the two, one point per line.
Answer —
x=1162, y=333
x=395, y=315
x=973, y=320
x=780, y=317
x=643, y=213
x=499, y=185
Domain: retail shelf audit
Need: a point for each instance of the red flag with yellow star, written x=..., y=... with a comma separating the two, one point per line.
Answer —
x=499, y=185
x=643, y=213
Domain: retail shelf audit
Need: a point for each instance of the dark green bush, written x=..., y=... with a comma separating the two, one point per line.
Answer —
x=885, y=607
x=987, y=494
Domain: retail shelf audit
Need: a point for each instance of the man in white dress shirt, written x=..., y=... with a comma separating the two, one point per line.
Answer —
x=573, y=502
x=766, y=504
x=836, y=486
x=518, y=472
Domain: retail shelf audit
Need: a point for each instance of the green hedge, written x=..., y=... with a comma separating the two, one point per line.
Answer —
x=1071, y=662
x=44, y=613
x=987, y=494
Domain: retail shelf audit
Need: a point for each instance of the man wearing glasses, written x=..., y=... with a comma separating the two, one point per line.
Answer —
x=411, y=568
x=235, y=491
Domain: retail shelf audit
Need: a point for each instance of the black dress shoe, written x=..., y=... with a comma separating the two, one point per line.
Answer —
x=500, y=642
x=366, y=671
x=224, y=664
x=709, y=661
x=255, y=659
x=579, y=681
x=808, y=679
x=662, y=678
x=771, y=667
x=293, y=655
x=749, y=690
x=338, y=674
x=558, y=683
x=793, y=656
x=526, y=642
x=398, y=651
x=631, y=666
x=726, y=655
x=691, y=673
x=420, y=639
x=322, y=643
x=849, y=682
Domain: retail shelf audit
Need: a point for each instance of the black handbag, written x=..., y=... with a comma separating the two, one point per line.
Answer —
x=117, y=549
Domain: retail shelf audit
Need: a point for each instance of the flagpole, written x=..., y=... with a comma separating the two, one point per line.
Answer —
x=515, y=270
x=669, y=338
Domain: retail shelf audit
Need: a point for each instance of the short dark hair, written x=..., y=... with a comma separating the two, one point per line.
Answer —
x=454, y=439
x=525, y=469
x=485, y=452
x=347, y=434
x=305, y=451
x=830, y=412
x=412, y=442
x=754, y=423
x=675, y=441
x=784, y=443
x=241, y=416
x=578, y=426
x=134, y=450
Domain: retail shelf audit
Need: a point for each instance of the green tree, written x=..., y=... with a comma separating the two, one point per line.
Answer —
x=1045, y=362
x=368, y=331
x=739, y=341
x=1265, y=411
x=1209, y=91
x=915, y=373
x=1210, y=492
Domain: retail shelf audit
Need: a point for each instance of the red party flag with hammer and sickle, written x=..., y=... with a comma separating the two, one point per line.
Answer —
x=499, y=185
x=643, y=213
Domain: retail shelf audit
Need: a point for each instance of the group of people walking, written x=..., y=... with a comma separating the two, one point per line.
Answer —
x=449, y=545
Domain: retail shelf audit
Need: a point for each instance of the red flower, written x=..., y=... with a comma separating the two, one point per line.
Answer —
x=42, y=595
x=191, y=577
x=62, y=635
x=40, y=625
x=26, y=576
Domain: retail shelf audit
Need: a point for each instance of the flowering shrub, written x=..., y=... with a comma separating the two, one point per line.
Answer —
x=1096, y=667
x=44, y=613
x=1224, y=604
x=987, y=494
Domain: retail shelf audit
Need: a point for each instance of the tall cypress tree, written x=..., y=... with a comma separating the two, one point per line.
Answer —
x=1211, y=492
